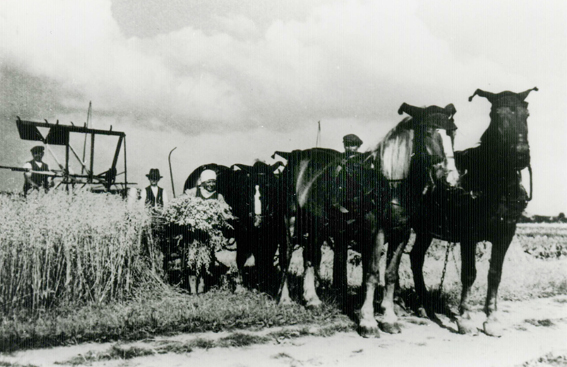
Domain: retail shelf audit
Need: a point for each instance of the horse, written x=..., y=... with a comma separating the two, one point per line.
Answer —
x=254, y=195
x=377, y=186
x=414, y=158
x=311, y=183
x=487, y=209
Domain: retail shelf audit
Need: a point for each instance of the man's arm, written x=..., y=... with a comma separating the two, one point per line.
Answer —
x=27, y=175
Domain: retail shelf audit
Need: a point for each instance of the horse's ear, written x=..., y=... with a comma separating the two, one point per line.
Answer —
x=242, y=167
x=284, y=155
x=480, y=92
x=450, y=108
x=410, y=110
x=523, y=95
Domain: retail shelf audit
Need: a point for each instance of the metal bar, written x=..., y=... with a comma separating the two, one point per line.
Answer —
x=171, y=172
x=67, y=165
x=83, y=164
x=125, y=193
x=92, y=156
x=85, y=142
x=531, y=182
x=21, y=169
x=117, y=153
x=74, y=129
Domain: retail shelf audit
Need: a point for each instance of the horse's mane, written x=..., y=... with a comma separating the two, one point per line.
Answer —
x=490, y=135
x=392, y=156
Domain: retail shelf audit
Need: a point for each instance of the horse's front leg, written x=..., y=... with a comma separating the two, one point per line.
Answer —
x=417, y=257
x=396, y=244
x=286, y=252
x=500, y=246
x=468, y=276
x=340, y=254
x=243, y=254
x=371, y=253
x=311, y=262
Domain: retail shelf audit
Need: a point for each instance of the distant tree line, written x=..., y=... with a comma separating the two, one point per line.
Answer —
x=560, y=218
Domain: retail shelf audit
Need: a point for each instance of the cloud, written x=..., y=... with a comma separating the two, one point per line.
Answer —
x=209, y=71
x=345, y=60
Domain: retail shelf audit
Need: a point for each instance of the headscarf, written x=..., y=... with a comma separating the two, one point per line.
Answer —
x=207, y=175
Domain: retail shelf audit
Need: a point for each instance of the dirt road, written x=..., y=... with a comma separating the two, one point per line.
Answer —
x=532, y=330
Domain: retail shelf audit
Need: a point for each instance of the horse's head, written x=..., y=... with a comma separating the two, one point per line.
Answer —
x=508, y=130
x=435, y=129
x=261, y=191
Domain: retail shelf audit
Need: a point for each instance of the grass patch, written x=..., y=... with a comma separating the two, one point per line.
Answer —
x=155, y=313
x=235, y=340
x=115, y=352
x=11, y=364
x=281, y=356
x=550, y=359
x=241, y=340
x=543, y=322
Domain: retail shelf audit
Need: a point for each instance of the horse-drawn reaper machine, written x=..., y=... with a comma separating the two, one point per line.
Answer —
x=60, y=135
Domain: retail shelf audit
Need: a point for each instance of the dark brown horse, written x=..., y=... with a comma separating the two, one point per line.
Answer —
x=487, y=210
x=414, y=158
x=311, y=184
x=255, y=197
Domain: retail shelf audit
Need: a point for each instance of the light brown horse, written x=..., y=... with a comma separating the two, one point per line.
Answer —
x=415, y=157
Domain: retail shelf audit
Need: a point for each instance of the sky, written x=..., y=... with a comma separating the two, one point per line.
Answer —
x=231, y=82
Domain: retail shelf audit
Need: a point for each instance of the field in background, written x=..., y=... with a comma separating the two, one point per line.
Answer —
x=535, y=266
x=76, y=268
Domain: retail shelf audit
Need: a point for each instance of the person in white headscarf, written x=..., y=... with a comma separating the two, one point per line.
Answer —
x=206, y=188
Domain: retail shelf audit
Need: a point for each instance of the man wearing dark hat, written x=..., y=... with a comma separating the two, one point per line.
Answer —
x=347, y=170
x=153, y=195
x=33, y=180
x=352, y=143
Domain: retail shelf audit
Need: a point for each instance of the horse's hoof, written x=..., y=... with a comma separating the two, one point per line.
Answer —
x=285, y=302
x=422, y=313
x=466, y=327
x=368, y=331
x=400, y=310
x=314, y=305
x=390, y=327
x=493, y=328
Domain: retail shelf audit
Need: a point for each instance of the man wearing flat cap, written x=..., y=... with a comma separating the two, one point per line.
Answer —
x=352, y=143
x=153, y=195
x=349, y=169
x=34, y=180
x=206, y=188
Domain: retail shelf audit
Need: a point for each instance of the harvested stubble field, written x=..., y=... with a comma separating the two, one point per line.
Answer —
x=76, y=269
